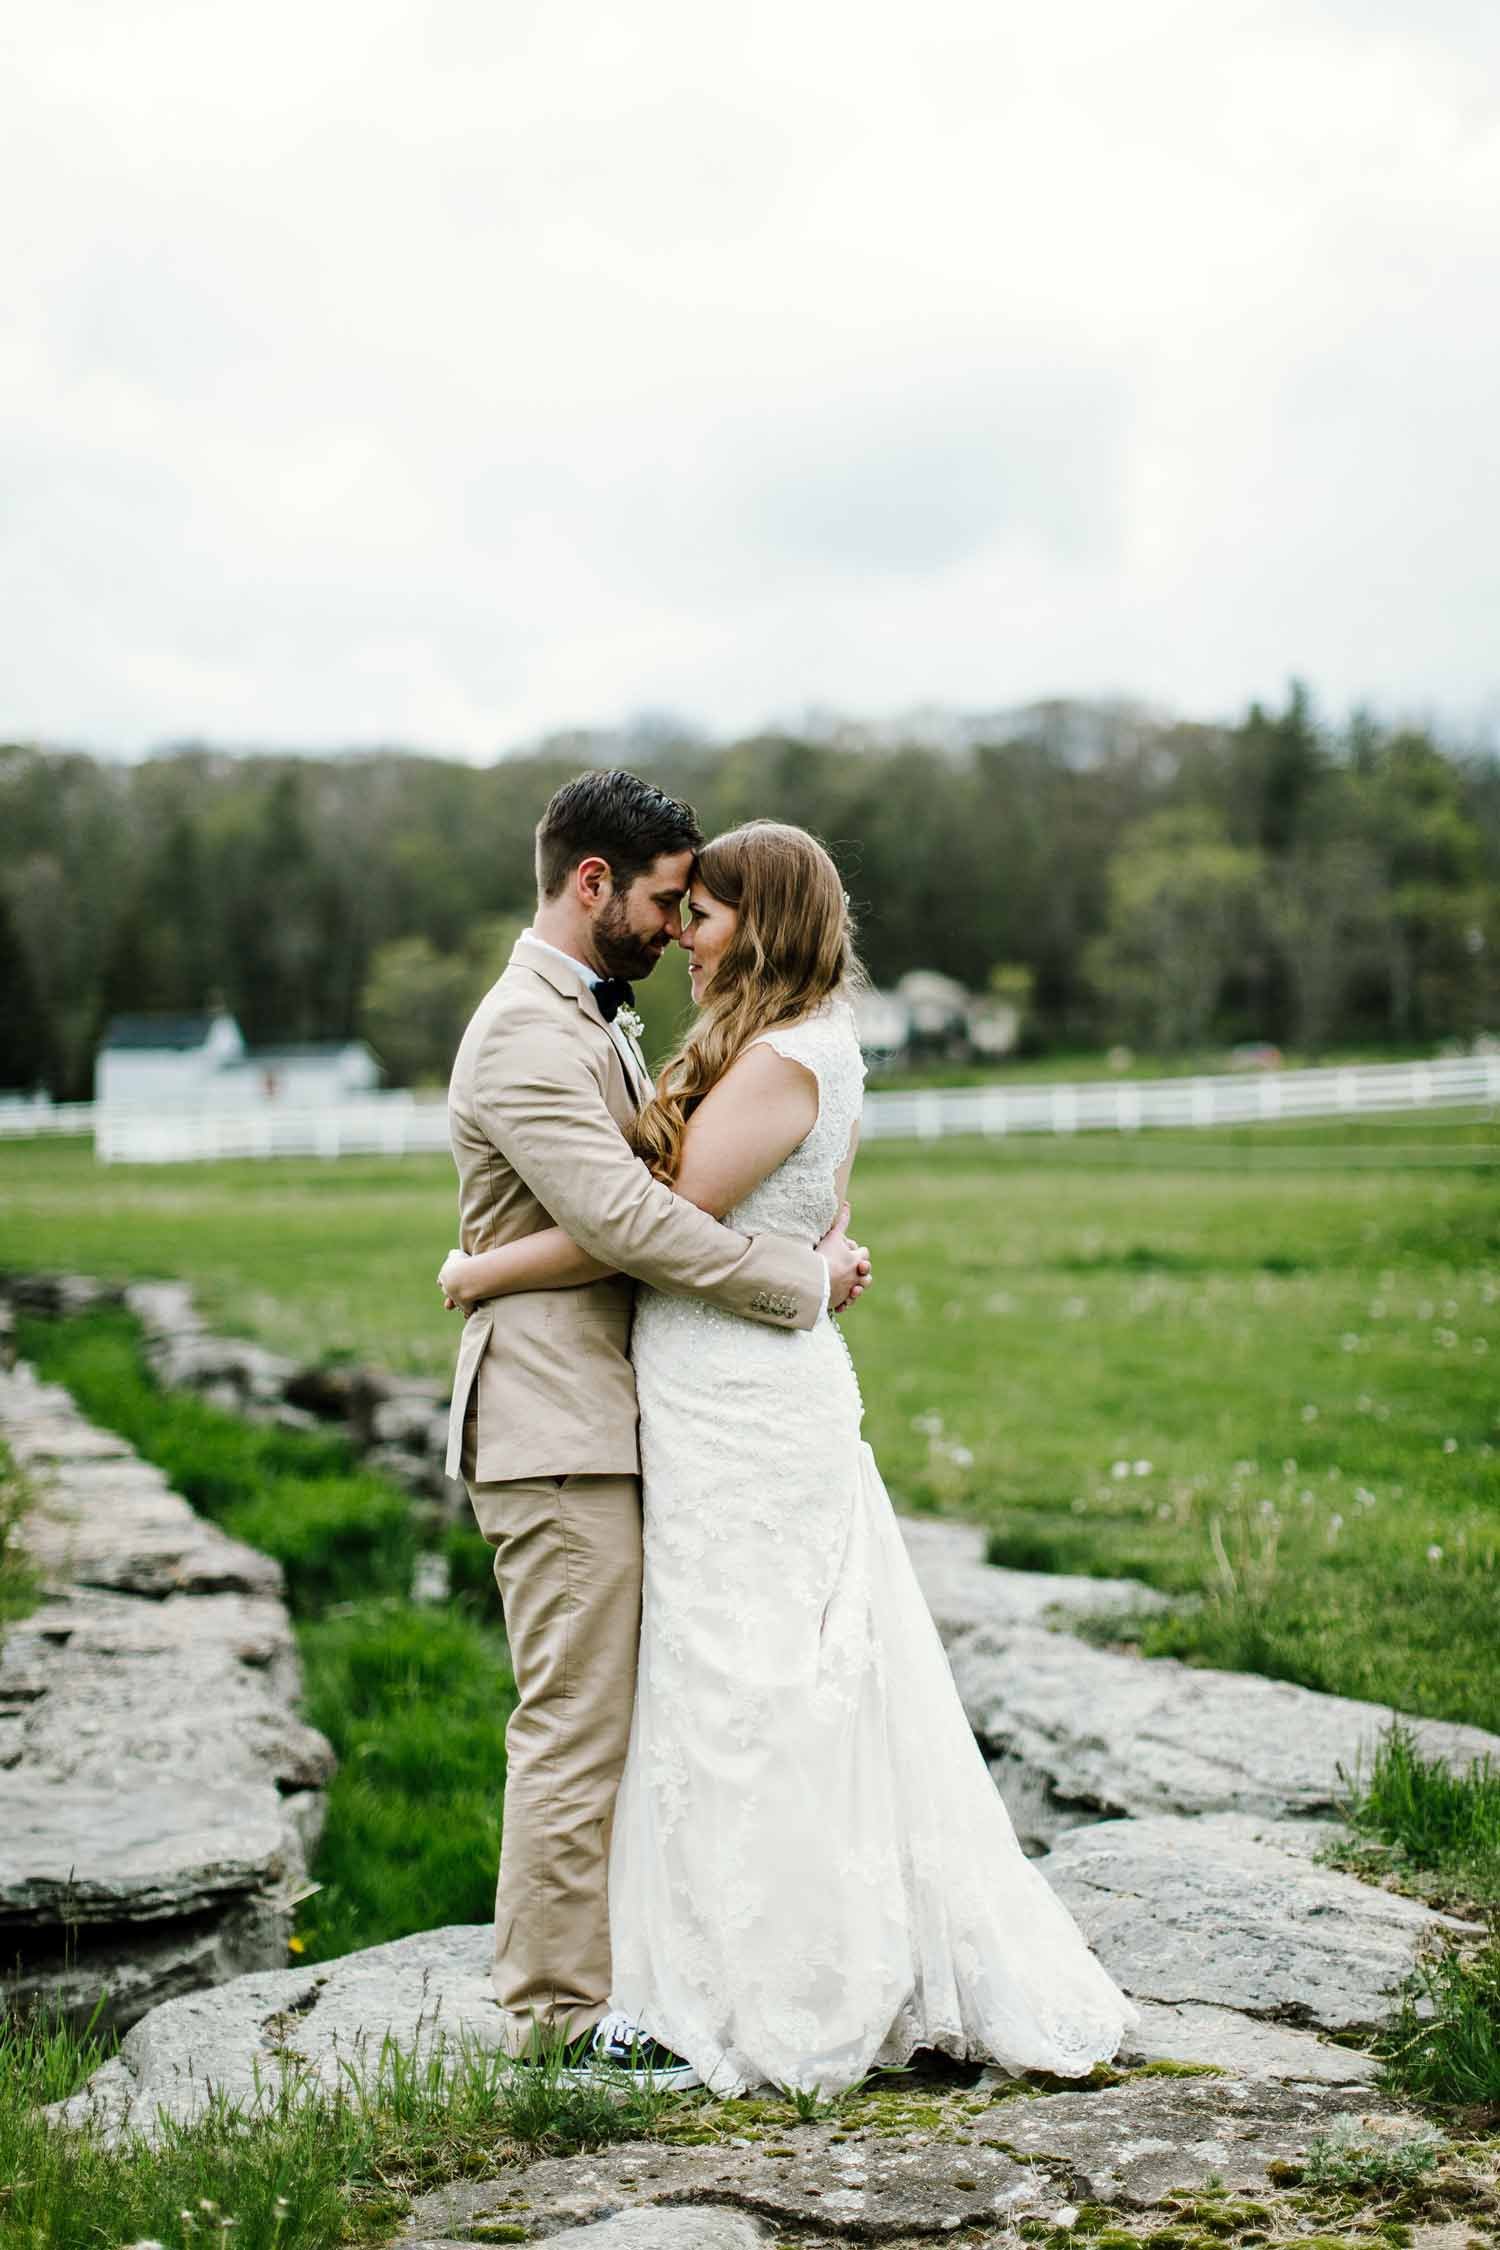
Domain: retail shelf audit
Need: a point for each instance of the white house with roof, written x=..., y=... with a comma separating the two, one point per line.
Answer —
x=201, y=1062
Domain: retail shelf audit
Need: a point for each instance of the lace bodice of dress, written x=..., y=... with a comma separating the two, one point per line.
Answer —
x=800, y=1197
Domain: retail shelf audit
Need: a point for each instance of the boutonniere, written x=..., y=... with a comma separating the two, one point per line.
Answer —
x=632, y=1021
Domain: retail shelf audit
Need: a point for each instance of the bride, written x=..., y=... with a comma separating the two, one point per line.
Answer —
x=812, y=1873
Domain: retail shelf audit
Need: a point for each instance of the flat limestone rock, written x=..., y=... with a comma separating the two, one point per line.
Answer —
x=252, y=1629
x=159, y=1795
x=118, y=1524
x=413, y=1418
x=196, y=1715
x=866, y=2189
x=430, y=1992
x=106, y=1518
x=1243, y=2046
x=49, y=1442
x=151, y=1962
x=701, y=2229
x=1130, y=1736
x=964, y=1592
x=1214, y=1912
x=186, y=1355
x=79, y=1854
x=1135, y=2143
x=58, y=1295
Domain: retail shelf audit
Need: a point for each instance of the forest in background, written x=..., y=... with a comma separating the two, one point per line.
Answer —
x=1161, y=882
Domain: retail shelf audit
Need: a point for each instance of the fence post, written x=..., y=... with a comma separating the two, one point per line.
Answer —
x=994, y=1116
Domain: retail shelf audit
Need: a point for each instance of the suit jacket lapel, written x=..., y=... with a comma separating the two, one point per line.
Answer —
x=637, y=1077
x=647, y=1083
x=574, y=987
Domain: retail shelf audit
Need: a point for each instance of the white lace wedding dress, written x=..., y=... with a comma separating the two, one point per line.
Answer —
x=812, y=1872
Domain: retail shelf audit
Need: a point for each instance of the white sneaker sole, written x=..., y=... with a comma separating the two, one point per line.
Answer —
x=680, y=2080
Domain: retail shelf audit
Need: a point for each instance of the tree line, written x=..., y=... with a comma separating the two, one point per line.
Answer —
x=1159, y=882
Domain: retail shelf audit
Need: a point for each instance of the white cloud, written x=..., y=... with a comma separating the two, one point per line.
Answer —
x=450, y=372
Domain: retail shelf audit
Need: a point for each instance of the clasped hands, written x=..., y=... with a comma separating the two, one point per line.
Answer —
x=849, y=1268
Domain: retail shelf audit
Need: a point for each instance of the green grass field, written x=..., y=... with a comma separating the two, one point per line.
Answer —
x=1257, y=1365
x=1260, y=1368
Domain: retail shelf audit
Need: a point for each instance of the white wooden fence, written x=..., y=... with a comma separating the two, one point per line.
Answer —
x=396, y=1125
x=28, y=1120
x=1125, y=1105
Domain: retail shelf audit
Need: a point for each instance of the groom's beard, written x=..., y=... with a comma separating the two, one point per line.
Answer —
x=622, y=951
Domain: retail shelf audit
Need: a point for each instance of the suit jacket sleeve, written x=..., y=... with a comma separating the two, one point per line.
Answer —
x=538, y=1100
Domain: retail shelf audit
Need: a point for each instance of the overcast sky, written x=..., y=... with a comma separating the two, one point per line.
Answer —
x=445, y=374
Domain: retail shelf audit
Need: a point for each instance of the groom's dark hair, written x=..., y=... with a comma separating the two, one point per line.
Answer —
x=610, y=816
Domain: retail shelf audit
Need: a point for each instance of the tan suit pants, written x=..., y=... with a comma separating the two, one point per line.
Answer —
x=568, y=1565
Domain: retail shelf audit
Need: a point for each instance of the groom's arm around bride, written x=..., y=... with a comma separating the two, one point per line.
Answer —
x=540, y=1107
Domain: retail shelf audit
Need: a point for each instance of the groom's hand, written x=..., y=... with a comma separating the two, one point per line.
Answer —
x=848, y=1263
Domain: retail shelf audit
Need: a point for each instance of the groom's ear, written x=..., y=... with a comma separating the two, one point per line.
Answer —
x=593, y=881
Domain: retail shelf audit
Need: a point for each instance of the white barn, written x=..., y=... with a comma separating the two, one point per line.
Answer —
x=156, y=1062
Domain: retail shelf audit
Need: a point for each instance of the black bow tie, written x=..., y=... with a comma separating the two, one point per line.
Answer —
x=613, y=994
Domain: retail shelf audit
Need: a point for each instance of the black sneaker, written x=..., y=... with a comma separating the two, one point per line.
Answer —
x=620, y=2045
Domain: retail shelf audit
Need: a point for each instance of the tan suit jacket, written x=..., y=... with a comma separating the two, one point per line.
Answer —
x=539, y=1107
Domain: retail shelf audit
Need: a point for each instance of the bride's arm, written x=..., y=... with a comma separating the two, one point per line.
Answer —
x=763, y=1107
x=549, y=1259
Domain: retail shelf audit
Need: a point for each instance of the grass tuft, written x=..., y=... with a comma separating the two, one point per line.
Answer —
x=305, y=2167
x=1436, y=1823
x=1347, y=2158
x=20, y=1586
x=1443, y=2046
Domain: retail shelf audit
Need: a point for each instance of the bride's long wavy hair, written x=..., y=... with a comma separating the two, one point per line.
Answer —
x=792, y=948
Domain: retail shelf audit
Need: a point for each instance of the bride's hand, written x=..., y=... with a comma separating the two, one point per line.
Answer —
x=848, y=1263
x=451, y=1276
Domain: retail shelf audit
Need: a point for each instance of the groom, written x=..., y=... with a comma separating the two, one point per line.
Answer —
x=544, y=1092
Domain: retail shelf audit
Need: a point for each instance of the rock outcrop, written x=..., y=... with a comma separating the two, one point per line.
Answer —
x=1220, y=1912
x=398, y=1422
x=429, y=1993
x=159, y=1796
x=1104, y=1734
x=969, y=2164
